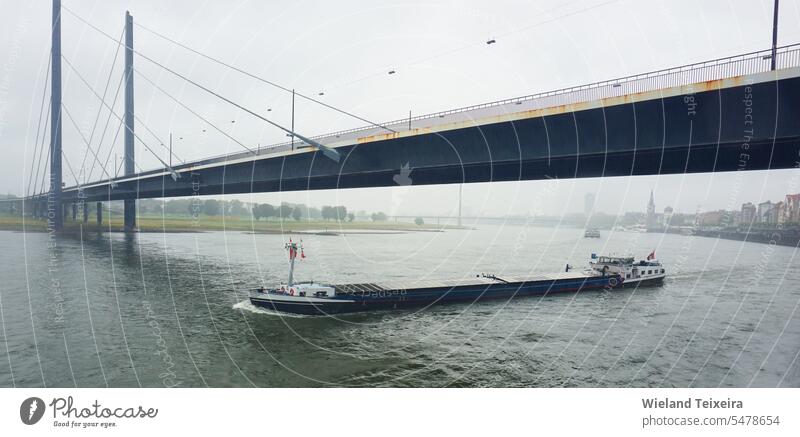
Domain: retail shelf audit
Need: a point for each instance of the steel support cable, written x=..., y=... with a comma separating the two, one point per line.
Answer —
x=100, y=109
x=59, y=126
x=83, y=137
x=72, y=67
x=105, y=127
x=116, y=95
x=153, y=134
x=42, y=148
x=44, y=174
x=330, y=153
x=37, y=150
x=119, y=167
x=382, y=71
x=43, y=153
x=513, y=31
x=261, y=79
x=46, y=155
x=176, y=100
x=69, y=166
x=36, y=147
x=111, y=149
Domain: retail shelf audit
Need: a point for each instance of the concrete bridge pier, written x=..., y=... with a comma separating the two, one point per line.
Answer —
x=99, y=213
x=85, y=212
x=74, y=212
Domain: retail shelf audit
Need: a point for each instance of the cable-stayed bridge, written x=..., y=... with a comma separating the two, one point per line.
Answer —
x=730, y=114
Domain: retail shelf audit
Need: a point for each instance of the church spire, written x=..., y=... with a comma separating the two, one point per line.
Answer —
x=651, y=212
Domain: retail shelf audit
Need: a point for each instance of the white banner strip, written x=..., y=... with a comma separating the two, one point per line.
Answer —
x=399, y=412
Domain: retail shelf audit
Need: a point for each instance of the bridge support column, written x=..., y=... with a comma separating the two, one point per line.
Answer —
x=74, y=212
x=99, y=213
x=85, y=212
x=129, y=213
x=129, y=204
x=56, y=220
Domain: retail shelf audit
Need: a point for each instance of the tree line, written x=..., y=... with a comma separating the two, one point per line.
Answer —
x=235, y=207
x=194, y=206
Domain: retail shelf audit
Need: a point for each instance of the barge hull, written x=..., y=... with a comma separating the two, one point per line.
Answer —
x=368, y=297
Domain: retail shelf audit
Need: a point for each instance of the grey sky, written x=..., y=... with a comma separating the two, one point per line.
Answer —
x=346, y=48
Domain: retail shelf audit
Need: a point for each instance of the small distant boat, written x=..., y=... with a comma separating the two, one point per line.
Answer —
x=644, y=272
x=312, y=298
x=591, y=233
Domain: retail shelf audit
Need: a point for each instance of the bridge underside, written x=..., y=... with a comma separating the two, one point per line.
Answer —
x=742, y=127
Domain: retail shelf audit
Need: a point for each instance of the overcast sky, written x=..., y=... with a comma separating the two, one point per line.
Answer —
x=345, y=49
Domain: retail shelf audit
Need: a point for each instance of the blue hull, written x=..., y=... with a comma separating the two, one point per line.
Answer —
x=409, y=298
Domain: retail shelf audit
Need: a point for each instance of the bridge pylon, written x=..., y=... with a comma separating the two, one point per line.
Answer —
x=129, y=204
x=55, y=217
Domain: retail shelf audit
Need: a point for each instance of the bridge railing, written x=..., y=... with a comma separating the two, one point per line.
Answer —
x=716, y=69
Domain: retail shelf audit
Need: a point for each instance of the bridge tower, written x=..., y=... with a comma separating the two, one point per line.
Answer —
x=55, y=213
x=130, y=204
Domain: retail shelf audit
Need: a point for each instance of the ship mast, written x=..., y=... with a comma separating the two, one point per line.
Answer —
x=292, y=248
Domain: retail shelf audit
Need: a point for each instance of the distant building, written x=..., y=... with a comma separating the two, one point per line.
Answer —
x=736, y=218
x=712, y=218
x=791, y=208
x=651, y=212
x=775, y=215
x=633, y=218
x=667, y=217
x=588, y=204
x=764, y=209
x=748, y=215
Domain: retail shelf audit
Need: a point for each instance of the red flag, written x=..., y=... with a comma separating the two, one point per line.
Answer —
x=652, y=255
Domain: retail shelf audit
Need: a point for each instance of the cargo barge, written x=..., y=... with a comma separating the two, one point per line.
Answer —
x=312, y=298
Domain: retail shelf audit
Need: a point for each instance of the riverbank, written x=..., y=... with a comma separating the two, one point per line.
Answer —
x=781, y=237
x=179, y=224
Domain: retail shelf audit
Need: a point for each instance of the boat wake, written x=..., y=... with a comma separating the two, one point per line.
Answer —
x=246, y=305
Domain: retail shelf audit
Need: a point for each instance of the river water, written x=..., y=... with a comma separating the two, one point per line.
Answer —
x=157, y=310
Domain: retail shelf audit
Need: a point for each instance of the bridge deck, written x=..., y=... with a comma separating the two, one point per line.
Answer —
x=662, y=82
x=634, y=125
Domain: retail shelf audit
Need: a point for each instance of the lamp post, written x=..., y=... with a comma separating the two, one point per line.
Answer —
x=292, y=118
x=774, y=35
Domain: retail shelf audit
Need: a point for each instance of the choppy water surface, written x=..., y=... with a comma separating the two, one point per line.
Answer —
x=170, y=309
